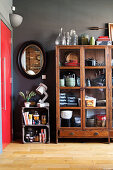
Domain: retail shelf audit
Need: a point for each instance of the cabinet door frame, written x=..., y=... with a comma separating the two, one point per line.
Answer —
x=106, y=48
x=110, y=87
x=58, y=48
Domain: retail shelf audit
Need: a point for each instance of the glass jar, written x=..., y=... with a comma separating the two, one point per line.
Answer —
x=84, y=39
x=43, y=119
x=36, y=116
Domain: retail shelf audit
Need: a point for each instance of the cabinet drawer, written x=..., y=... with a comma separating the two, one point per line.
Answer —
x=86, y=133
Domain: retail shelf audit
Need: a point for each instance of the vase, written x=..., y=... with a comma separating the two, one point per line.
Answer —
x=27, y=104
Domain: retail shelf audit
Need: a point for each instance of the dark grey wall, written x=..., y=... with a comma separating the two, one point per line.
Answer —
x=42, y=21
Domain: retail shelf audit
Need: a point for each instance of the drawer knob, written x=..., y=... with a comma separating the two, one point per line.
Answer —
x=96, y=133
x=71, y=133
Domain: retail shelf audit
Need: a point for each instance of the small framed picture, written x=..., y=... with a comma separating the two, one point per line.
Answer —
x=110, y=26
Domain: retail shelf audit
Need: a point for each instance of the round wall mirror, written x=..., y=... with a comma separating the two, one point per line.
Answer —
x=31, y=59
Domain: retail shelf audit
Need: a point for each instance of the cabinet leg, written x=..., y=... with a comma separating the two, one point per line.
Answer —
x=56, y=140
x=109, y=140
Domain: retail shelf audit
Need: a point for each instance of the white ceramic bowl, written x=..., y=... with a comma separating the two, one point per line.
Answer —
x=66, y=114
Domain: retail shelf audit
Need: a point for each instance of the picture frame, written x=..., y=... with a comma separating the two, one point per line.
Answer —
x=110, y=26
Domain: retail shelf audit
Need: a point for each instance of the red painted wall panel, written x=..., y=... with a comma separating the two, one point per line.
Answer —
x=6, y=84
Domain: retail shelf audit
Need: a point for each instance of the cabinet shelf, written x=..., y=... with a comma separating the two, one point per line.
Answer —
x=91, y=87
x=70, y=128
x=68, y=68
x=41, y=125
x=70, y=87
x=95, y=67
x=96, y=87
x=37, y=142
x=70, y=108
x=93, y=108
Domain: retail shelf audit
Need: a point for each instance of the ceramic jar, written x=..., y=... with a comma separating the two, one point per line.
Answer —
x=70, y=80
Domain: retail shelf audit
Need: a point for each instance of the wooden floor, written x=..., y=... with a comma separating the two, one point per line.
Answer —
x=17, y=156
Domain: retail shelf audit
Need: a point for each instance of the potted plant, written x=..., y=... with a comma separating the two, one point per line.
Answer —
x=27, y=96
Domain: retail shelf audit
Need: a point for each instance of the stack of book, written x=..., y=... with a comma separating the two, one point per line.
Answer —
x=103, y=40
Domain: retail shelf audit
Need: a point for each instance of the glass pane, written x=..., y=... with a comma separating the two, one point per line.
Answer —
x=70, y=118
x=95, y=97
x=69, y=98
x=70, y=57
x=95, y=77
x=95, y=118
x=95, y=57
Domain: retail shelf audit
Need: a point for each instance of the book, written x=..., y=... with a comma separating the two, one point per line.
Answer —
x=103, y=42
x=25, y=115
x=104, y=39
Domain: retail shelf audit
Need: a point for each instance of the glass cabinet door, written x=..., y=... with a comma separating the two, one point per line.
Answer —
x=95, y=88
x=69, y=87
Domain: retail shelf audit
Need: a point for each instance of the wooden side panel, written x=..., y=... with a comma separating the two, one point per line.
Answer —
x=57, y=94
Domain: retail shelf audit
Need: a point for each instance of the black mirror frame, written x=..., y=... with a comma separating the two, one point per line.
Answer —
x=24, y=45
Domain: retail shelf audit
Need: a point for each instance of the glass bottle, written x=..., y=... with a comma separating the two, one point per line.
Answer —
x=57, y=42
x=88, y=82
x=68, y=39
x=61, y=39
x=73, y=37
x=43, y=118
x=92, y=41
x=36, y=136
x=76, y=39
x=64, y=39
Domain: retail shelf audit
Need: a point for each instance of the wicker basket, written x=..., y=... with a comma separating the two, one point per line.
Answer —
x=72, y=57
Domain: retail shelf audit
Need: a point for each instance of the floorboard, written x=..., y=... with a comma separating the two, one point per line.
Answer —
x=63, y=156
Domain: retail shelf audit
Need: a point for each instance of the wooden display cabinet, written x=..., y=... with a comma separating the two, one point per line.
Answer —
x=92, y=107
x=36, y=130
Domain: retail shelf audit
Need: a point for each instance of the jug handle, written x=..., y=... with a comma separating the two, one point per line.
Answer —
x=73, y=75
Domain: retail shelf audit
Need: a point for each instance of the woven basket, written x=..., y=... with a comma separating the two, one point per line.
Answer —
x=72, y=57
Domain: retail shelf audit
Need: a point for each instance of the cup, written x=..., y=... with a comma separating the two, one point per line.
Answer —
x=62, y=82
